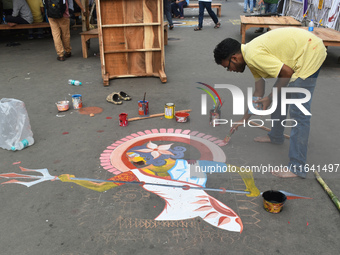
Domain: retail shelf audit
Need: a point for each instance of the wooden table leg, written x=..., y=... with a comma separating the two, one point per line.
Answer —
x=243, y=33
x=219, y=11
x=84, y=46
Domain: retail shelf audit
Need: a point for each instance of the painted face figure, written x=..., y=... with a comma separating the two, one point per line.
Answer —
x=156, y=159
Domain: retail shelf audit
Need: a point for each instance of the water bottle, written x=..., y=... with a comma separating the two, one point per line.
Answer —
x=23, y=144
x=311, y=26
x=4, y=19
x=262, y=9
x=74, y=82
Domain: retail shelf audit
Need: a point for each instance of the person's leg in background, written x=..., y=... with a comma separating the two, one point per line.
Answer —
x=212, y=14
x=167, y=12
x=181, y=5
x=56, y=34
x=66, y=35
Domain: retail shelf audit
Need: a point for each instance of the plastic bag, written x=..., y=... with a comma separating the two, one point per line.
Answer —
x=14, y=124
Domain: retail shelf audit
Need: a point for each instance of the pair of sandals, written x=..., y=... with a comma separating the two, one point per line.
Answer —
x=117, y=97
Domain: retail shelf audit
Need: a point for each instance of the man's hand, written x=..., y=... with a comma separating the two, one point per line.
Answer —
x=266, y=102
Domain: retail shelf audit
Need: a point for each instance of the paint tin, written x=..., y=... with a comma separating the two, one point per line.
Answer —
x=182, y=117
x=214, y=115
x=143, y=107
x=77, y=101
x=273, y=201
x=63, y=105
x=169, y=110
x=123, y=120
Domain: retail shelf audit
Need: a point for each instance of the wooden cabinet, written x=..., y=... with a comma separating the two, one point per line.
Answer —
x=131, y=38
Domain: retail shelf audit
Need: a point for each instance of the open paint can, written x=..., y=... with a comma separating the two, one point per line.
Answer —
x=273, y=201
x=123, y=120
x=169, y=110
x=214, y=115
x=181, y=117
x=63, y=105
x=77, y=101
x=143, y=107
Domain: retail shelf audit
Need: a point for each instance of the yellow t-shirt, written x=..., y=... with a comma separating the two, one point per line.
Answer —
x=35, y=9
x=299, y=49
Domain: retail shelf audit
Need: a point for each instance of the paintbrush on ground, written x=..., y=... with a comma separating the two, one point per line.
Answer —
x=227, y=138
x=144, y=105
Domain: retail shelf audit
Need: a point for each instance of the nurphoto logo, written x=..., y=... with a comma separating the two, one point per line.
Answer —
x=239, y=102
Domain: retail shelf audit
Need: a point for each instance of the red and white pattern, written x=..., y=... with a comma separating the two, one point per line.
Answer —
x=113, y=159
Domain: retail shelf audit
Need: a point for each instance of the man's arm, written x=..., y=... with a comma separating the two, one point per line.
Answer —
x=80, y=5
x=259, y=92
x=284, y=77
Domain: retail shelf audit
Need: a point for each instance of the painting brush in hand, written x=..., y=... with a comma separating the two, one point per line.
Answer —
x=227, y=138
x=217, y=106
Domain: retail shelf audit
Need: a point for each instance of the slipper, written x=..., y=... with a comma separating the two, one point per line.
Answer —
x=197, y=28
x=124, y=96
x=61, y=58
x=218, y=24
x=114, y=98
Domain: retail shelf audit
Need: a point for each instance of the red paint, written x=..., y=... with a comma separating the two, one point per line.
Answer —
x=123, y=120
x=65, y=133
x=108, y=118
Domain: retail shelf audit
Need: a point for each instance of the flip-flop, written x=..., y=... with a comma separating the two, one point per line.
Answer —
x=218, y=24
x=124, y=96
x=114, y=98
x=197, y=28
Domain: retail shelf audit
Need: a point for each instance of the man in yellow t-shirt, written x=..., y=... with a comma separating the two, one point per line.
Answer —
x=294, y=56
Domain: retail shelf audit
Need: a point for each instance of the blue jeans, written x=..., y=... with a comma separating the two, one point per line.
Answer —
x=167, y=11
x=250, y=3
x=175, y=7
x=270, y=8
x=206, y=5
x=300, y=133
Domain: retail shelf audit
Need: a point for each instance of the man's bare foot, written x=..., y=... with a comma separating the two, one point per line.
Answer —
x=11, y=24
x=284, y=173
x=262, y=139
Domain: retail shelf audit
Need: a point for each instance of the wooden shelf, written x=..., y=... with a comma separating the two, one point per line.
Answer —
x=131, y=38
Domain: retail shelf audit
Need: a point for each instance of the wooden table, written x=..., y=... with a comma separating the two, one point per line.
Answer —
x=329, y=36
x=248, y=22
